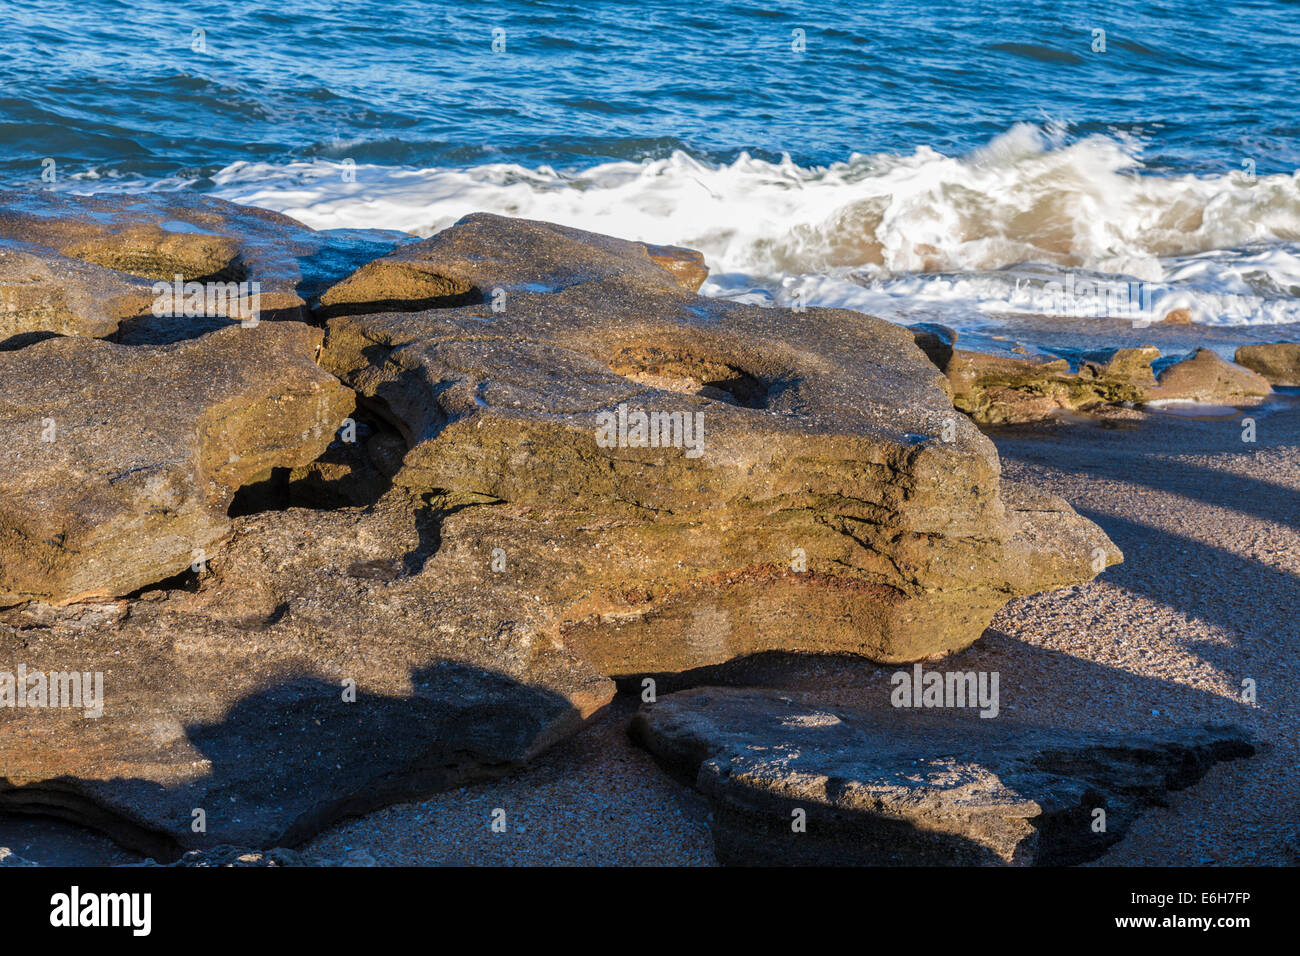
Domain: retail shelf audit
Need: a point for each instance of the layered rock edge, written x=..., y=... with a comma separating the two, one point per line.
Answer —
x=457, y=587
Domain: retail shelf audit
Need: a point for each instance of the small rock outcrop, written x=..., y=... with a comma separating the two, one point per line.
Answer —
x=1204, y=377
x=999, y=389
x=898, y=788
x=1278, y=362
x=1012, y=385
x=159, y=236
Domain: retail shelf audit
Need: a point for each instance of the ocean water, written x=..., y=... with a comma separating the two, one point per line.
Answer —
x=951, y=161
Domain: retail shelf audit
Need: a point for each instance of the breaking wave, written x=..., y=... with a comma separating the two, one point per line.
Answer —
x=885, y=233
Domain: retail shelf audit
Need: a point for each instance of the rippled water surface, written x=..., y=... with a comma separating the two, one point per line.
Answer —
x=887, y=156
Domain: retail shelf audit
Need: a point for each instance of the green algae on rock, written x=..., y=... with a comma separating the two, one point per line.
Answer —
x=840, y=502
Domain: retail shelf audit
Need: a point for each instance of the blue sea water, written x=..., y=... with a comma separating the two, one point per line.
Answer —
x=884, y=155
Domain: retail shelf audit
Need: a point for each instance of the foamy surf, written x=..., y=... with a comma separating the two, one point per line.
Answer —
x=994, y=231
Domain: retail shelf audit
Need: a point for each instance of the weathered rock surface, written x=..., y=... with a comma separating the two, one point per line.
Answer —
x=230, y=698
x=1204, y=377
x=121, y=462
x=158, y=236
x=894, y=787
x=502, y=540
x=43, y=294
x=1278, y=362
x=1006, y=388
x=834, y=501
x=999, y=386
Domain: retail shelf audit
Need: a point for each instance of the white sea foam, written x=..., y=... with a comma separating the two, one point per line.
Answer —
x=893, y=234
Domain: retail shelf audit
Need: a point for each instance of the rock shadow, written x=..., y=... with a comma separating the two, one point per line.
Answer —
x=296, y=756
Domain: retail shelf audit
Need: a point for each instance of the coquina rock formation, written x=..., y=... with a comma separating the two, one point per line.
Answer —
x=326, y=664
x=320, y=569
x=157, y=237
x=1009, y=385
x=1277, y=362
x=123, y=461
x=43, y=294
x=834, y=501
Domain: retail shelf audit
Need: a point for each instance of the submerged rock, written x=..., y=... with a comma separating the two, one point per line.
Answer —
x=688, y=479
x=891, y=787
x=121, y=462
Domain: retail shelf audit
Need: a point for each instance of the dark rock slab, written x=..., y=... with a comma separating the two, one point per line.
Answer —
x=895, y=787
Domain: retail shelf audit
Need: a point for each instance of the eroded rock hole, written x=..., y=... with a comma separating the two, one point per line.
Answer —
x=349, y=474
x=691, y=376
x=396, y=290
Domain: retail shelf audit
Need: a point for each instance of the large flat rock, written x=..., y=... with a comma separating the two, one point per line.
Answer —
x=122, y=462
x=837, y=501
x=901, y=787
x=229, y=697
